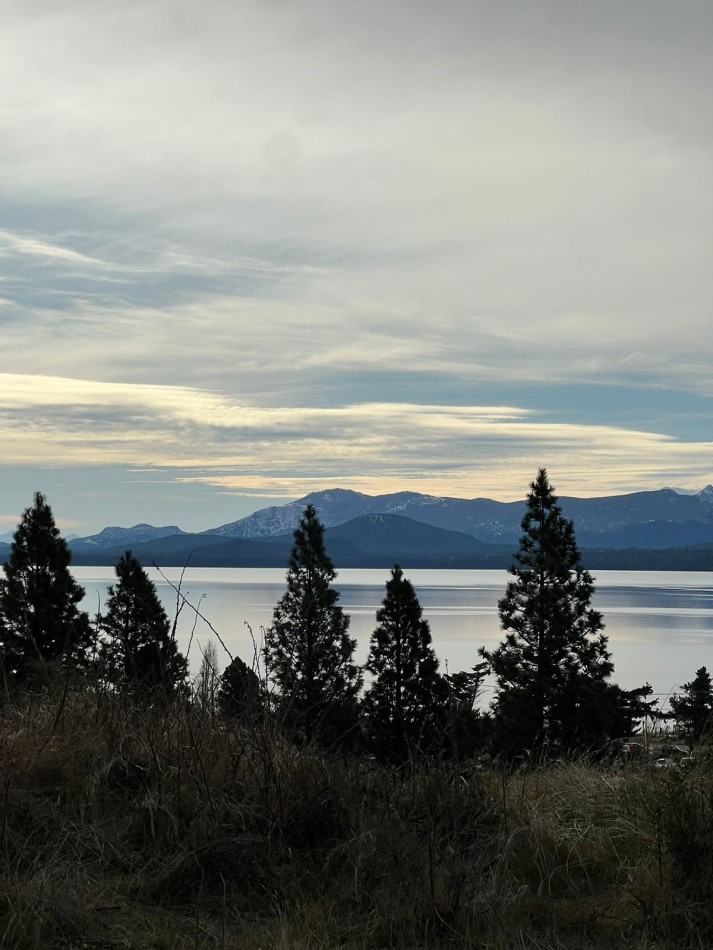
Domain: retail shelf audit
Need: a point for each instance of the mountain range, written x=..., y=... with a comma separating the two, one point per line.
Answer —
x=664, y=529
x=650, y=519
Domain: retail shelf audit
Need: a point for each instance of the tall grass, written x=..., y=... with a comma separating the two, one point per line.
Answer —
x=123, y=826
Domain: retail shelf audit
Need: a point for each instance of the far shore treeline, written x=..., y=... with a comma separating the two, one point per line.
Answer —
x=245, y=553
x=553, y=671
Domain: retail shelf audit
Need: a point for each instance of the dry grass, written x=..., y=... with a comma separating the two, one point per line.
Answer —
x=168, y=828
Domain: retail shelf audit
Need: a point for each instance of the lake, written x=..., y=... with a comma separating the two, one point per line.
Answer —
x=659, y=624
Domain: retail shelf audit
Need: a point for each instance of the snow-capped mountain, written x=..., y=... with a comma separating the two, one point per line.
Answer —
x=425, y=530
x=651, y=519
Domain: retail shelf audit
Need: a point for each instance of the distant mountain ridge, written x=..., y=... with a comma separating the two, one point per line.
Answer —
x=651, y=519
x=340, y=505
x=661, y=529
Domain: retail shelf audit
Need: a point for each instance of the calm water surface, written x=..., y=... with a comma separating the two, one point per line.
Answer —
x=659, y=624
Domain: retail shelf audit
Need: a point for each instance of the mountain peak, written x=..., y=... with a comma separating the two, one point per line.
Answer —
x=114, y=536
x=334, y=506
x=331, y=494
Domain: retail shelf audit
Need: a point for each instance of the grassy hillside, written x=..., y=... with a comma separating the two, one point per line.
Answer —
x=170, y=828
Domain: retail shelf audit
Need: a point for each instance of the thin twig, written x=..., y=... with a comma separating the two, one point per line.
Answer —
x=185, y=602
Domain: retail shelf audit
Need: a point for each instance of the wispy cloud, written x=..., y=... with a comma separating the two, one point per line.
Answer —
x=150, y=259
x=207, y=438
x=29, y=246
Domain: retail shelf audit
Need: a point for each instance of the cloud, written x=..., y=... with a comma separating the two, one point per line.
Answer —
x=206, y=438
x=37, y=247
x=252, y=215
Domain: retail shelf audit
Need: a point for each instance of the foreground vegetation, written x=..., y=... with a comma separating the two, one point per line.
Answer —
x=286, y=810
x=168, y=827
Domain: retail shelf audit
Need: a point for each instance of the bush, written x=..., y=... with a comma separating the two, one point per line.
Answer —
x=177, y=829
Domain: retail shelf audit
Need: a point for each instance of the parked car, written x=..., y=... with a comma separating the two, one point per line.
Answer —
x=672, y=752
x=635, y=751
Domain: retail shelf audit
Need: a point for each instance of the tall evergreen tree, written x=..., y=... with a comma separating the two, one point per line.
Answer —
x=139, y=653
x=308, y=652
x=405, y=705
x=40, y=619
x=693, y=709
x=551, y=669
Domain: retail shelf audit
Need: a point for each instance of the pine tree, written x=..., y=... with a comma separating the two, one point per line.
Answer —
x=405, y=706
x=40, y=620
x=466, y=727
x=552, y=667
x=139, y=653
x=693, y=710
x=240, y=692
x=308, y=653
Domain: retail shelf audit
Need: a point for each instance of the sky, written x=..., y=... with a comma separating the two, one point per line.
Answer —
x=250, y=250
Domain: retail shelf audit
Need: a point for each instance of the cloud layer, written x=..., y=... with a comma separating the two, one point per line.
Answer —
x=290, y=236
x=196, y=437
